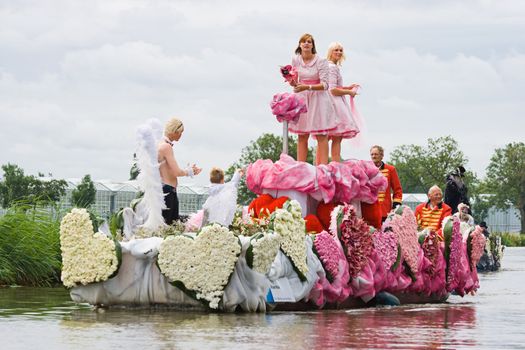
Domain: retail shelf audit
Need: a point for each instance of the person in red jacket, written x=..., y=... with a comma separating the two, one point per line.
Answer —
x=431, y=214
x=393, y=195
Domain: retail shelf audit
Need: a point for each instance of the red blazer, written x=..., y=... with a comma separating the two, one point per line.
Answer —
x=385, y=198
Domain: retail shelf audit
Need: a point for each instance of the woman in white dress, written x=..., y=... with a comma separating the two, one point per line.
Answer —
x=347, y=127
x=312, y=85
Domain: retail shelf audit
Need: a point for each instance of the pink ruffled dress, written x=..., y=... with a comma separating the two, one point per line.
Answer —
x=320, y=117
x=347, y=127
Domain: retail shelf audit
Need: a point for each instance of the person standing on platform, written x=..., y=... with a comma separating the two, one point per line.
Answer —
x=393, y=195
x=347, y=127
x=312, y=86
x=170, y=170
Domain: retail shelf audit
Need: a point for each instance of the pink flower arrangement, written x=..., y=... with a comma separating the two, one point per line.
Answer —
x=457, y=277
x=405, y=228
x=356, y=239
x=431, y=251
x=287, y=106
x=477, y=243
x=334, y=287
x=289, y=74
x=329, y=254
x=385, y=244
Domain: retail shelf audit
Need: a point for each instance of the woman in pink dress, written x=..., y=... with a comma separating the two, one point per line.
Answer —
x=347, y=127
x=312, y=85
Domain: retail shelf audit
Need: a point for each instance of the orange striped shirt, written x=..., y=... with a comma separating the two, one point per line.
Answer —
x=432, y=218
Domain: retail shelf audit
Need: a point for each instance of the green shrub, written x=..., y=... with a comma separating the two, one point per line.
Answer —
x=511, y=239
x=30, y=246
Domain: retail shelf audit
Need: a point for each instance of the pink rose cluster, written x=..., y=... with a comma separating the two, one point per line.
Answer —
x=477, y=246
x=356, y=239
x=385, y=244
x=405, y=228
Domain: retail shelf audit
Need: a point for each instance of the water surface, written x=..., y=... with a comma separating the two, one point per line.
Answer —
x=492, y=319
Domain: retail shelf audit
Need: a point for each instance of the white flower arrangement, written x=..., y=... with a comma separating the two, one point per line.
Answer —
x=202, y=264
x=87, y=257
x=262, y=251
x=289, y=224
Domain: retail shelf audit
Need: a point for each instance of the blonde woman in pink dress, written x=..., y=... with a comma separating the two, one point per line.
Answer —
x=312, y=85
x=347, y=127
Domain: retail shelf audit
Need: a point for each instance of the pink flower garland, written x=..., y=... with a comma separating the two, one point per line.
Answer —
x=334, y=288
x=327, y=251
x=458, y=278
x=405, y=228
x=385, y=244
x=431, y=250
x=477, y=246
x=356, y=239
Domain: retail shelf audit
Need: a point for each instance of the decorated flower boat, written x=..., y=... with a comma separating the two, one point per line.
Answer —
x=270, y=258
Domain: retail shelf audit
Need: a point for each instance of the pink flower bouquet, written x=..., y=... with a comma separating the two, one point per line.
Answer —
x=289, y=74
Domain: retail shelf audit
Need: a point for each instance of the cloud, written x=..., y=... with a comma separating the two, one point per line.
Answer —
x=77, y=78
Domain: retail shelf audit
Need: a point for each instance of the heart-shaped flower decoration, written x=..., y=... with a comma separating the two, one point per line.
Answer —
x=202, y=265
x=289, y=224
x=262, y=251
x=87, y=257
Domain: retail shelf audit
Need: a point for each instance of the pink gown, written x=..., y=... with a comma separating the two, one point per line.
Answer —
x=347, y=127
x=320, y=117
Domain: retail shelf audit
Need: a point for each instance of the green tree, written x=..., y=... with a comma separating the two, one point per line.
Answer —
x=420, y=167
x=84, y=195
x=267, y=146
x=16, y=186
x=506, y=178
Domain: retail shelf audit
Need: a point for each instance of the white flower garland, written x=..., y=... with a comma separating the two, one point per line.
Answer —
x=86, y=257
x=288, y=222
x=262, y=251
x=204, y=264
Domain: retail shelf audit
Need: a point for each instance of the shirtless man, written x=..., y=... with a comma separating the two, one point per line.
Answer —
x=170, y=170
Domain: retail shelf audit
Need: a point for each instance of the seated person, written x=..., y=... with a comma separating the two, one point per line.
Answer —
x=221, y=204
x=463, y=214
x=431, y=214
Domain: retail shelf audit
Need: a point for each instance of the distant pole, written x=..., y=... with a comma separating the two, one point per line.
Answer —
x=285, y=137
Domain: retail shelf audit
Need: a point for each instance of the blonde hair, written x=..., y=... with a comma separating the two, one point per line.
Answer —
x=302, y=39
x=216, y=175
x=331, y=49
x=379, y=148
x=173, y=125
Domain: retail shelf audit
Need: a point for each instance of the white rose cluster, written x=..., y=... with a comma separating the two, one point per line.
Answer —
x=87, y=257
x=289, y=224
x=203, y=264
x=263, y=249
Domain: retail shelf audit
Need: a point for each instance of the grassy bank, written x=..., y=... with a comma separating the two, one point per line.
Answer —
x=29, y=247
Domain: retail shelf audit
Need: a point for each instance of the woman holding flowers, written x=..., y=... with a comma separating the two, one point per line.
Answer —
x=347, y=127
x=312, y=85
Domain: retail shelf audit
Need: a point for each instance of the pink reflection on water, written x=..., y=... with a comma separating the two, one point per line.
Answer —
x=424, y=327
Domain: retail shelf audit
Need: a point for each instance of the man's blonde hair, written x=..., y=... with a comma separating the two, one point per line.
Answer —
x=173, y=125
x=216, y=175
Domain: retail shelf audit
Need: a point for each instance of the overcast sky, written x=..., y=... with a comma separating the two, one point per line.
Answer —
x=78, y=77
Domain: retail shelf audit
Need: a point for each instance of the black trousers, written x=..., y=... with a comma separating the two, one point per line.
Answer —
x=170, y=214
